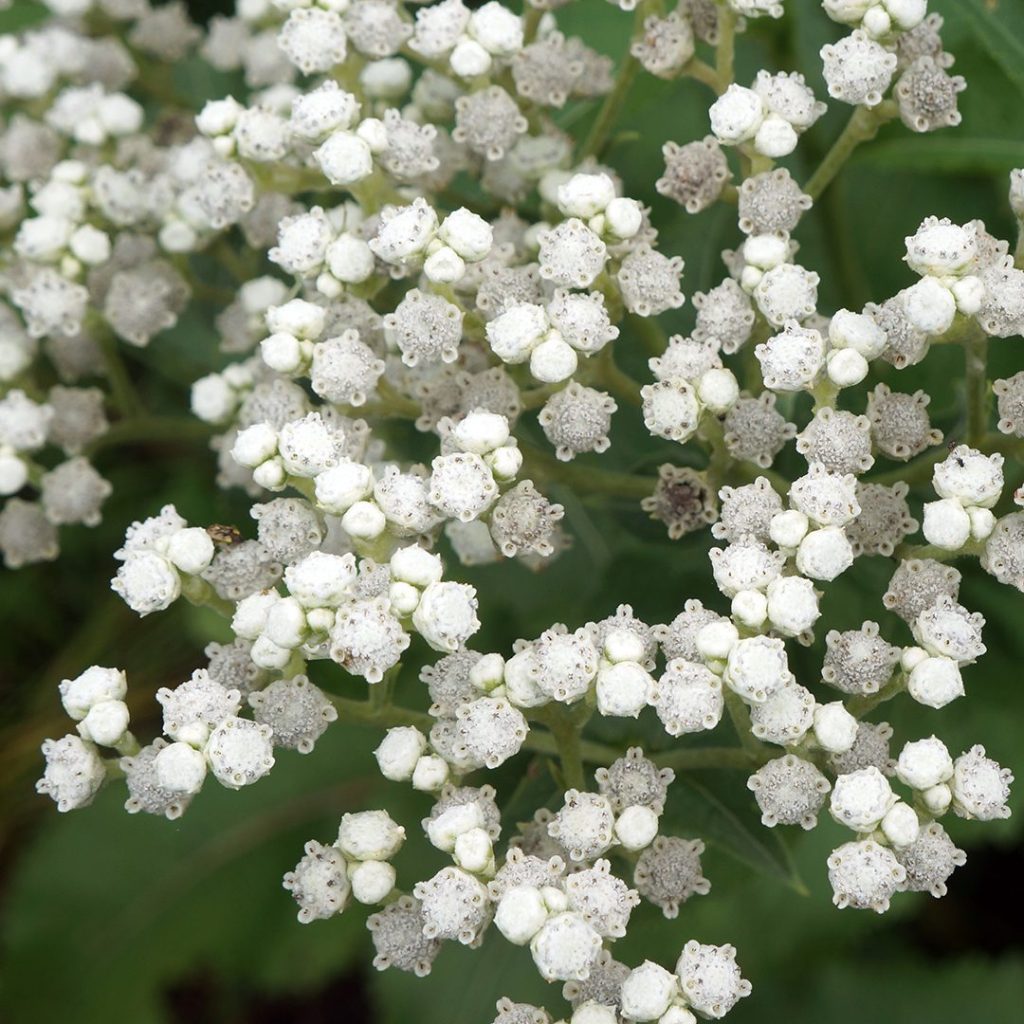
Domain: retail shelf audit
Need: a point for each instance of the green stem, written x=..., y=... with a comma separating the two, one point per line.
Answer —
x=863, y=125
x=360, y=712
x=725, y=49
x=705, y=73
x=565, y=725
x=976, y=359
x=971, y=549
x=739, y=715
x=604, y=372
x=142, y=429
x=125, y=396
x=199, y=593
x=608, y=115
x=860, y=706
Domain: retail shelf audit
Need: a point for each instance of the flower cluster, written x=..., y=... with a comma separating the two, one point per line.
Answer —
x=409, y=362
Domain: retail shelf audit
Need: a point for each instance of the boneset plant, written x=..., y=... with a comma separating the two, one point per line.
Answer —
x=435, y=274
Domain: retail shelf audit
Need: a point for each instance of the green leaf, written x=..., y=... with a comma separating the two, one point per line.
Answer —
x=695, y=810
x=1002, y=41
x=947, y=154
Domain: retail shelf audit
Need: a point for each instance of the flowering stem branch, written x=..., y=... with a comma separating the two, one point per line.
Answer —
x=725, y=49
x=863, y=125
x=976, y=358
x=860, y=706
x=125, y=396
x=971, y=549
x=140, y=429
x=608, y=115
x=566, y=726
x=605, y=371
x=739, y=715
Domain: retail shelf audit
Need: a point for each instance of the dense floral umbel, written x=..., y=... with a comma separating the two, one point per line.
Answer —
x=371, y=307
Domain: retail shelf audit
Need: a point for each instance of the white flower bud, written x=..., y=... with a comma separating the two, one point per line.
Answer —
x=623, y=645
x=788, y=528
x=930, y=306
x=792, y=605
x=937, y=799
x=861, y=799
x=594, y=1013
x=717, y=639
x=469, y=59
x=180, y=768
x=846, y=367
x=13, y=473
x=857, y=331
x=270, y=474
x=106, y=723
x=374, y=133
x=584, y=195
x=341, y=486
x=93, y=686
x=286, y=623
x=776, y=137
x=403, y=597
x=736, y=115
x=983, y=522
x=835, y=728
x=90, y=245
x=268, y=655
x=824, y=554
x=648, y=991
x=636, y=827
x=946, y=524
x=520, y=914
x=399, y=752
x=750, y=607
x=900, y=825
x=623, y=690
x=283, y=352
x=488, y=673
x=430, y=773
x=623, y=217
x=553, y=360
x=718, y=390
x=364, y=521
x=444, y=266
x=372, y=881
x=505, y=462
x=190, y=550
x=218, y=117
x=254, y=445
x=481, y=432
x=251, y=613
x=416, y=565
x=924, y=764
x=677, y=1015
x=350, y=259
x=473, y=851
x=912, y=657
x=935, y=682
x=876, y=22
x=369, y=835
x=345, y=158
x=969, y=293
x=467, y=233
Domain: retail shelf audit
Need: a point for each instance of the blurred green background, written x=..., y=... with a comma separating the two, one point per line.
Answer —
x=110, y=917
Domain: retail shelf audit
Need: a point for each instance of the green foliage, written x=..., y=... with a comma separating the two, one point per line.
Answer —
x=104, y=912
